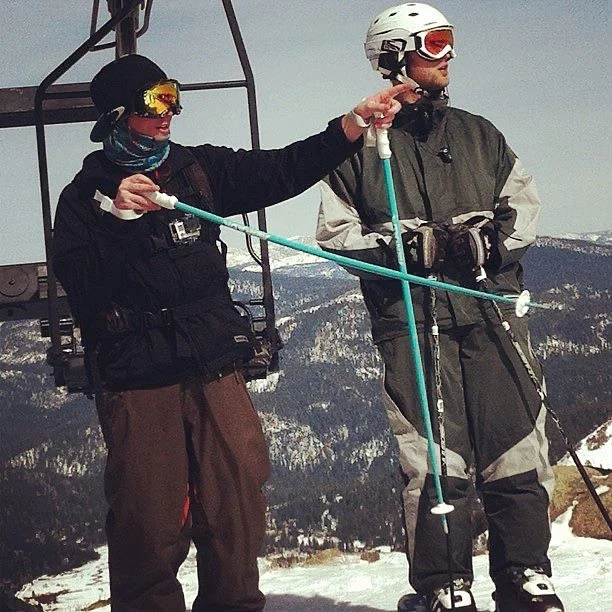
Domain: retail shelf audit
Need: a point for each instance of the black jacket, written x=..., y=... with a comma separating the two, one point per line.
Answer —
x=151, y=310
x=449, y=166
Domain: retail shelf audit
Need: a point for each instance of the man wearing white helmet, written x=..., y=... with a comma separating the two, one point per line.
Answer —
x=466, y=207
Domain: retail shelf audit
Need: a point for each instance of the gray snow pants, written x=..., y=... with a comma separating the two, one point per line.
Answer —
x=185, y=462
x=493, y=420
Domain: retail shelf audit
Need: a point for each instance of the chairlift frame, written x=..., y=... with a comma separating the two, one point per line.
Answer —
x=31, y=291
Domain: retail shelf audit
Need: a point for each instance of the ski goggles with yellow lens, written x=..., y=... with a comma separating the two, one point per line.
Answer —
x=434, y=44
x=158, y=99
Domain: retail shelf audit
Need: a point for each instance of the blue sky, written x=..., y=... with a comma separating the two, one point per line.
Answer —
x=539, y=70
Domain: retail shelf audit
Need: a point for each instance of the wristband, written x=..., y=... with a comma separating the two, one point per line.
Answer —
x=108, y=205
x=359, y=120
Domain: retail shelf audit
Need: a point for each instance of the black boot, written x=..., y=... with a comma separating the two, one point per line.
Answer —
x=526, y=590
x=440, y=600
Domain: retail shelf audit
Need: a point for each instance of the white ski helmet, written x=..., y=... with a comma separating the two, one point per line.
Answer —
x=404, y=28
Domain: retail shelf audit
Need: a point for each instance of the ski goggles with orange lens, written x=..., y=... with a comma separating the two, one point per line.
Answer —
x=434, y=44
x=158, y=99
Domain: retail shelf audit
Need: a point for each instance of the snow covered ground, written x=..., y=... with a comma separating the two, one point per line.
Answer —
x=582, y=568
x=595, y=450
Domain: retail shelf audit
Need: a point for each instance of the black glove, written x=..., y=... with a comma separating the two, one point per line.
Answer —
x=468, y=247
x=426, y=246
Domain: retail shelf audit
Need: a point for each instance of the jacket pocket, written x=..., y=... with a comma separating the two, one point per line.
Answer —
x=214, y=333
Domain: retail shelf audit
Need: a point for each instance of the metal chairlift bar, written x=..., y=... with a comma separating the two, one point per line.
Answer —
x=113, y=44
x=264, y=260
x=39, y=97
x=69, y=103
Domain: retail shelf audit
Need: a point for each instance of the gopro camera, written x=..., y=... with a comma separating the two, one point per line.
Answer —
x=185, y=230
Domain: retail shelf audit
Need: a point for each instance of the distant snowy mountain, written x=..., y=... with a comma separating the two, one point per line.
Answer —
x=603, y=237
x=284, y=259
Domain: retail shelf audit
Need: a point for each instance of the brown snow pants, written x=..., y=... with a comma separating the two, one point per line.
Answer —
x=185, y=462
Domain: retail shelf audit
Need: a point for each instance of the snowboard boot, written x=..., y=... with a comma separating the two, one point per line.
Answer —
x=440, y=600
x=526, y=590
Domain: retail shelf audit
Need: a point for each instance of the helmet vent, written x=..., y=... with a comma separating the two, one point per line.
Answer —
x=413, y=15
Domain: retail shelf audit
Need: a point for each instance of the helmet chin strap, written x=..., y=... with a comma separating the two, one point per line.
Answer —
x=401, y=74
x=403, y=77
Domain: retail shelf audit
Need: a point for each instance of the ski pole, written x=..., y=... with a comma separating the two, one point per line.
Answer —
x=521, y=302
x=481, y=279
x=441, y=508
x=435, y=336
x=384, y=152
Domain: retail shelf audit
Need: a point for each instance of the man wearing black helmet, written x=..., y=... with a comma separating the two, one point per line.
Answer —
x=163, y=342
x=467, y=212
